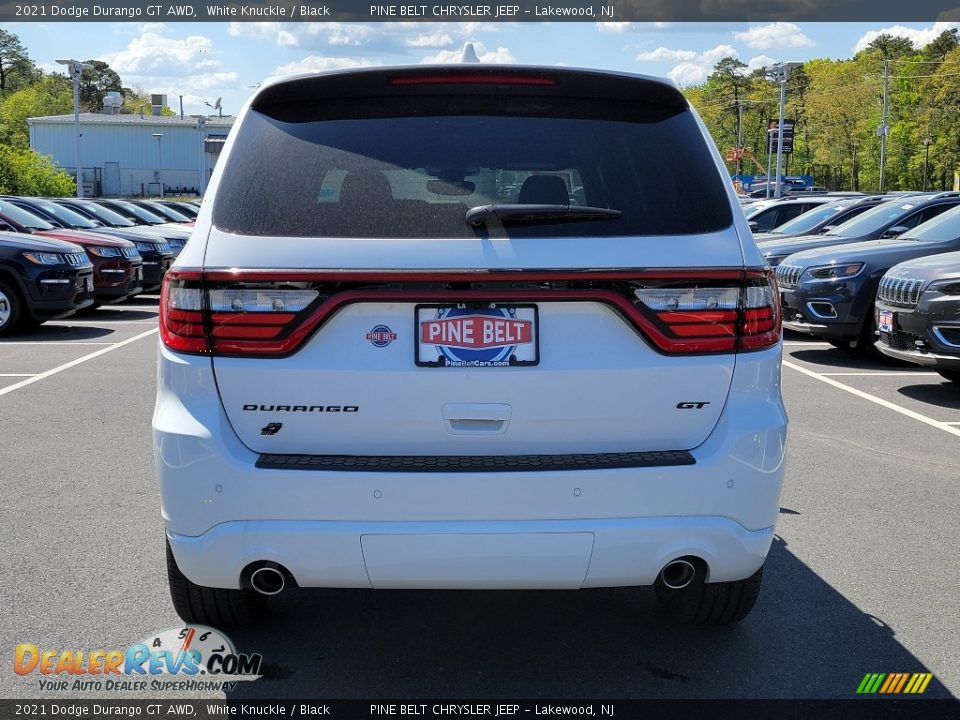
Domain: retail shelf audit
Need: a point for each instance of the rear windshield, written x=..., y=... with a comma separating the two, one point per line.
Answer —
x=403, y=167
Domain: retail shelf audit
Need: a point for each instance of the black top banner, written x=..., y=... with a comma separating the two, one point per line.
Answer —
x=465, y=11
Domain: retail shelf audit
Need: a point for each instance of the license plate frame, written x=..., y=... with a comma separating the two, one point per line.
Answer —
x=513, y=330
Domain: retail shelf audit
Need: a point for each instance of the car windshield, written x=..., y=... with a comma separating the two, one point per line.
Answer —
x=167, y=212
x=874, y=219
x=110, y=217
x=24, y=217
x=942, y=228
x=404, y=168
x=140, y=212
x=69, y=217
x=809, y=220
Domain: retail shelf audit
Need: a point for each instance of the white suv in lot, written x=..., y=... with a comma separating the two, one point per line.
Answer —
x=469, y=327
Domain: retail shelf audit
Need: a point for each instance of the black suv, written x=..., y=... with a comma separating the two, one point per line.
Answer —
x=887, y=220
x=918, y=313
x=830, y=292
x=41, y=279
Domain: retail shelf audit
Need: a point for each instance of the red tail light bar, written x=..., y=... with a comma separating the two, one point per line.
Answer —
x=259, y=313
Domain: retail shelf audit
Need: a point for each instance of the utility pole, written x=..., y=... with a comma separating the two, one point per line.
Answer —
x=739, y=134
x=884, y=129
x=783, y=101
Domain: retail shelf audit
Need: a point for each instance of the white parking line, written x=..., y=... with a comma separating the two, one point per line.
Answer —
x=91, y=356
x=98, y=323
x=881, y=373
x=945, y=426
x=803, y=342
x=54, y=342
x=17, y=374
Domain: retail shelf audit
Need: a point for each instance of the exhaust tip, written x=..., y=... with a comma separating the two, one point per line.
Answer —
x=678, y=574
x=267, y=580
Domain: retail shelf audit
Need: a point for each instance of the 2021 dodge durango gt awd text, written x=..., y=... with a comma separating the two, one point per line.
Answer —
x=460, y=328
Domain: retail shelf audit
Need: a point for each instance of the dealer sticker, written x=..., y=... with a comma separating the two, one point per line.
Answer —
x=477, y=336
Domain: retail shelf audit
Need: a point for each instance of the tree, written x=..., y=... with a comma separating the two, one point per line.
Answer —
x=892, y=47
x=943, y=44
x=16, y=67
x=25, y=172
x=136, y=99
x=95, y=82
x=51, y=95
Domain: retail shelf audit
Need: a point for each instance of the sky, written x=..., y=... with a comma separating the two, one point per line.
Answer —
x=211, y=60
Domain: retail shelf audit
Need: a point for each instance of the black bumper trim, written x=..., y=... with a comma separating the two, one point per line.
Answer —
x=474, y=463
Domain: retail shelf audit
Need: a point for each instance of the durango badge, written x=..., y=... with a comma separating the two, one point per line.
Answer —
x=494, y=336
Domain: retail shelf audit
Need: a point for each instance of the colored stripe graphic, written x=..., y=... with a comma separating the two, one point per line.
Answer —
x=894, y=683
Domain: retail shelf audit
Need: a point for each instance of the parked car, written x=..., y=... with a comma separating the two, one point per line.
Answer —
x=886, y=220
x=117, y=265
x=393, y=379
x=41, y=279
x=766, y=217
x=174, y=234
x=918, y=313
x=821, y=219
x=164, y=211
x=185, y=208
x=830, y=292
x=156, y=253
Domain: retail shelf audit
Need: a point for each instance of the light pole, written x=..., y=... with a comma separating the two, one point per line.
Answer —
x=76, y=69
x=159, y=136
x=927, y=142
x=784, y=71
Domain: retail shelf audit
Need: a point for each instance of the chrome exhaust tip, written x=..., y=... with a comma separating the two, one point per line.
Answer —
x=678, y=574
x=267, y=580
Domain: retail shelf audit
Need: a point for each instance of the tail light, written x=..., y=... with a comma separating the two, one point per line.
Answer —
x=271, y=314
x=722, y=312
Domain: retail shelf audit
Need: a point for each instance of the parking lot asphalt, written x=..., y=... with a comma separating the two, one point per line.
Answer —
x=864, y=575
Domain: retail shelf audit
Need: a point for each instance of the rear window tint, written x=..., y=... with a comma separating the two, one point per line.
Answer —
x=412, y=167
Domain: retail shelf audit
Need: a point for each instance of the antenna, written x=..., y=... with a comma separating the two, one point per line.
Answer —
x=469, y=54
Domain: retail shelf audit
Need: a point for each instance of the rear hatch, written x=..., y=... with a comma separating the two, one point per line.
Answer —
x=471, y=261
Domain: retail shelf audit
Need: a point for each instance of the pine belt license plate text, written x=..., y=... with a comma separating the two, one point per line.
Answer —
x=477, y=335
x=885, y=321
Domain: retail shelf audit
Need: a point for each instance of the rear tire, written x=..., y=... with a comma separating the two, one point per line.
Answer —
x=218, y=607
x=701, y=603
x=951, y=375
x=11, y=309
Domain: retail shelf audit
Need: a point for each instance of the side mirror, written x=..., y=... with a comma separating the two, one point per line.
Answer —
x=826, y=228
x=894, y=231
x=754, y=225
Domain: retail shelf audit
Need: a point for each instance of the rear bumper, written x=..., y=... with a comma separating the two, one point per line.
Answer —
x=544, y=554
x=541, y=528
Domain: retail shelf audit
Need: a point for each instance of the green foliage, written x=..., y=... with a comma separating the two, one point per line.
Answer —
x=94, y=84
x=50, y=95
x=16, y=67
x=25, y=172
x=837, y=105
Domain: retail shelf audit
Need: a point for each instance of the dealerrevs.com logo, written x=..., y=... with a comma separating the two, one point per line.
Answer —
x=190, y=657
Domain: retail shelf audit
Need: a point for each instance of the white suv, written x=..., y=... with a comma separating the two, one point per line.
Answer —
x=469, y=327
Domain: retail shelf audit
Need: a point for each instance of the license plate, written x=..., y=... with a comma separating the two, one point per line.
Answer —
x=885, y=321
x=90, y=284
x=477, y=335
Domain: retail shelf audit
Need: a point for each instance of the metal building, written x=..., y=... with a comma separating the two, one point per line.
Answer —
x=128, y=155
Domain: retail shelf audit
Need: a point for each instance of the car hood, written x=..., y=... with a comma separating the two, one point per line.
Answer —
x=945, y=266
x=85, y=238
x=22, y=241
x=884, y=253
x=165, y=232
x=129, y=234
x=788, y=246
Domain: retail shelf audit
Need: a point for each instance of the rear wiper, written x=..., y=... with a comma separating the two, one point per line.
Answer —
x=532, y=214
